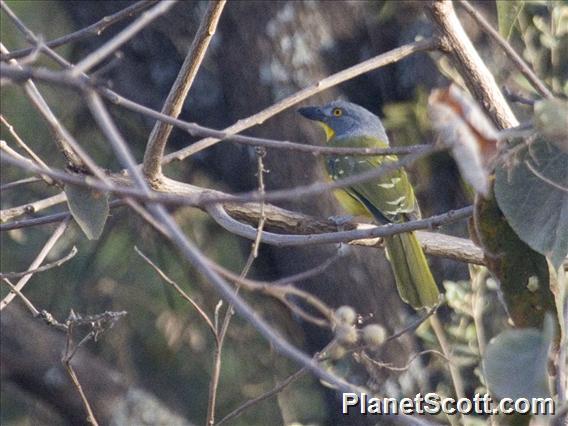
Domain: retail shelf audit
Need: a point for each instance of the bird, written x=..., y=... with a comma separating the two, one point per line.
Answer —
x=387, y=199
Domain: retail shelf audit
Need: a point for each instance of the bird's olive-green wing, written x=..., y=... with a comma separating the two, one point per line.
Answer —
x=388, y=197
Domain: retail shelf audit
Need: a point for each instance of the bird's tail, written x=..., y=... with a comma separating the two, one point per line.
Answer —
x=414, y=280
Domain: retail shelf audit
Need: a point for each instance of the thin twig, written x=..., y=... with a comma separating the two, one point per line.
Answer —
x=260, y=153
x=229, y=133
x=276, y=389
x=479, y=276
x=544, y=178
x=523, y=67
x=90, y=415
x=36, y=263
x=174, y=102
x=321, y=187
x=457, y=380
x=43, y=268
x=98, y=324
x=26, y=301
x=216, y=370
x=66, y=360
x=281, y=293
x=220, y=135
x=47, y=219
x=113, y=44
x=193, y=128
x=33, y=207
x=204, y=197
x=59, y=133
x=26, y=148
x=405, y=367
x=37, y=42
x=93, y=30
x=319, y=269
x=378, y=61
x=478, y=286
x=182, y=293
x=413, y=325
x=19, y=182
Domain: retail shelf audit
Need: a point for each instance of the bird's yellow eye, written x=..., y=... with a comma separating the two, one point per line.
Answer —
x=337, y=112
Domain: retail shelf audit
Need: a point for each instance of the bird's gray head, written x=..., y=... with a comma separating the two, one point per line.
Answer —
x=342, y=119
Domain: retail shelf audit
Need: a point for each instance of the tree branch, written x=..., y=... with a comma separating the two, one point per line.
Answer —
x=60, y=135
x=45, y=267
x=36, y=263
x=92, y=30
x=174, y=102
x=479, y=80
x=513, y=56
x=25, y=73
x=113, y=44
x=378, y=61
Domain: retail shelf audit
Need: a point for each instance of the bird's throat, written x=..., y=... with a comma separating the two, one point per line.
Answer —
x=329, y=133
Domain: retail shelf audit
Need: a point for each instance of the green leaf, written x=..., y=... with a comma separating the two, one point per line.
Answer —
x=89, y=208
x=507, y=14
x=533, y=196
x=516, y=361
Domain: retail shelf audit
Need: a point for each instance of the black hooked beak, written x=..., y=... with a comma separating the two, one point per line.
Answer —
x=312, y=113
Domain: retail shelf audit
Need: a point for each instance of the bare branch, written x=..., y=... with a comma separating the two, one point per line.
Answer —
x=180, y=89
x=26, y=301
x=193, y=128
x=413, y=325
x=523, y=67
x=36, y=263
x=216, y=370
x=113, y=44
x=405, y=367
x=457, y=379
x=81, y=161
x=544, y=178
x=30, y=37
x=45, y=267
x=33, y=207
x=456, y=44
x=446, y=246
x=378, y=61
x=90, y=415
x=310, y=272
x=26, y=148
x=182, y=293
x=223, y=135
x=19, y=182
x=276, y=389
x=98, y=324
x=450, y=247
x=92, y=30
x=200, y=197
x=37, y=221
x=60, y=135
x=220, y=216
